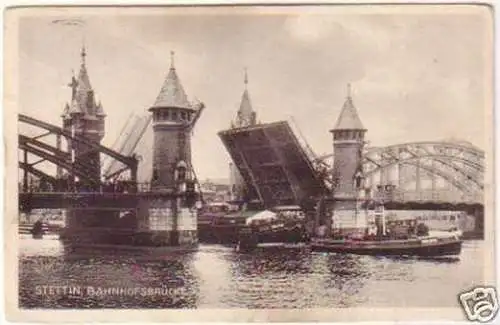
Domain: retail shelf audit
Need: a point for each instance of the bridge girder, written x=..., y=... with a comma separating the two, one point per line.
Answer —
x=37, y=172
x=57, y=161
x=58, y=154
x=33, y=141
x=464, y=176
x=129, y=161
x=460, y=165
x=446, y=176
x=434, y=146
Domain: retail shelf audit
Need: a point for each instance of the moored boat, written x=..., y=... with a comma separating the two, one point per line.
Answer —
x=391, y=239
x=219, y=222
x=278, y=225
x=428, y=246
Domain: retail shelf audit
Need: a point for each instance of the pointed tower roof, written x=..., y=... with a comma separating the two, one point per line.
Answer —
x=83, y=77
x=246, y=104
x=246, y=115
x=349, y=118
x=82, y=100
x=172, y=93
x=100, y=110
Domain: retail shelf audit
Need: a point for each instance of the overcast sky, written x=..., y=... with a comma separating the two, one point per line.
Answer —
x=415, y=76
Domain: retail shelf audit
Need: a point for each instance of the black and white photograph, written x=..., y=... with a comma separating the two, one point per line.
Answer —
x=250, y=163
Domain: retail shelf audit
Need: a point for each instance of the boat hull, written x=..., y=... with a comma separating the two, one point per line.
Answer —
x=218, y=234
x=436, y=248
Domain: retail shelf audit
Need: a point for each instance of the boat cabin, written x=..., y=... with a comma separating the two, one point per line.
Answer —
x=284, y=213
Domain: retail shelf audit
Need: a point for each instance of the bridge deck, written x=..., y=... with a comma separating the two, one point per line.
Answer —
x=87, y=200
x=272, y=163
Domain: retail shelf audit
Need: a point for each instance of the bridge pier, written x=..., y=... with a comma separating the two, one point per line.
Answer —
x=166, y=220
x=154, y=219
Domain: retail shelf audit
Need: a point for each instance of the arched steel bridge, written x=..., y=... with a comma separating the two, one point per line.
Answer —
x=62, y=159
x=455, y=170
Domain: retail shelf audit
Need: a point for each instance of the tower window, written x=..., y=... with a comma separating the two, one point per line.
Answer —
x=167, y=114
x=174, y=115
x=183, y=116
x=155, y=116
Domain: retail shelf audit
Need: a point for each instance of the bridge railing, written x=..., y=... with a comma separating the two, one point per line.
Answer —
x=122, y=186
x=390, y=193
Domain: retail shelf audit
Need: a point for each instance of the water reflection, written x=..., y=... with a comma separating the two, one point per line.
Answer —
x=218, y=277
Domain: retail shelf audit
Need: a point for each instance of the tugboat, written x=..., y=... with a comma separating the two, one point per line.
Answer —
x=416, y=241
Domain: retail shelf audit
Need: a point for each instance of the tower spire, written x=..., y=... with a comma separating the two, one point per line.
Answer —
x=349, y=118
x=246, y=116
x=172, y=93
x=172, y=60
x=83, y=53
x=246, y=78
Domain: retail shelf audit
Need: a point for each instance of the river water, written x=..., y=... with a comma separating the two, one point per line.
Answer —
x=218, y=277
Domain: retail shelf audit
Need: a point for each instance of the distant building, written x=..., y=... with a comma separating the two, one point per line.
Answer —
x=215, y=192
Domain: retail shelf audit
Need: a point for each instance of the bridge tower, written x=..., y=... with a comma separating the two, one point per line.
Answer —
x=172, y=116
x=84, y=117
x=172, y=220
x=245, y=117
x=348, y=143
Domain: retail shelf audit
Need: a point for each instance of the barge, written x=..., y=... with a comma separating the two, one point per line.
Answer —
x=279, y=225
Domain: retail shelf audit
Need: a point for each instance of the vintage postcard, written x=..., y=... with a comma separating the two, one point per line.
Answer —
x=250, y=163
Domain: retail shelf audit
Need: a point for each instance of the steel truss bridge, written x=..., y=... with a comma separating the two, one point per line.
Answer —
x=444, y=171
x=40, y=147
